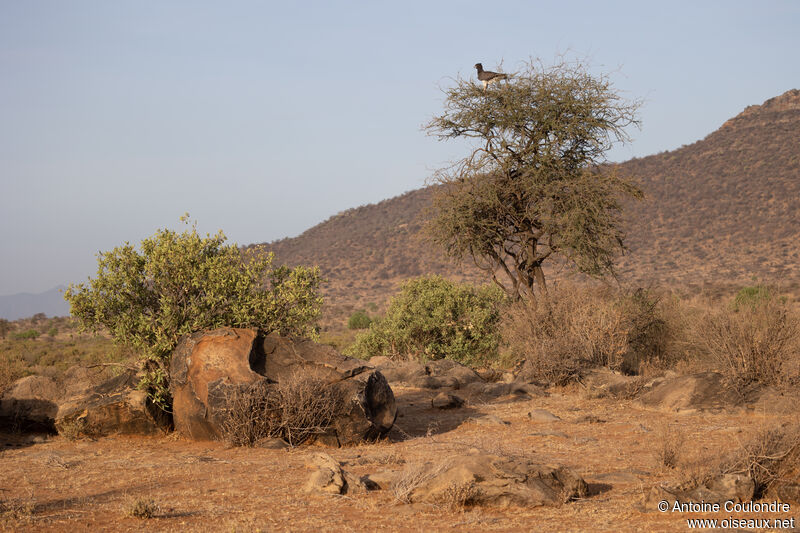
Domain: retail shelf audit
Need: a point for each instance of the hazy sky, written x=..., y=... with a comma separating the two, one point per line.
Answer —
x=265, y=118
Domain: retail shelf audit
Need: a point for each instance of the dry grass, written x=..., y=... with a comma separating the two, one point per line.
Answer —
x=585, y=327
x=752, y=343
x=17, y=510
x=459, y=496
x=143, y=508
x=72, y=430
x=670, y=448
x=296, y=409
x=768, y=457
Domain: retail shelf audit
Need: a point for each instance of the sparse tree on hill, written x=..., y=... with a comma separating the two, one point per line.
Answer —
x=535, y=184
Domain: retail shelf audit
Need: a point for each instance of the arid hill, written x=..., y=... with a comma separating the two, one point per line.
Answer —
x=719, y=213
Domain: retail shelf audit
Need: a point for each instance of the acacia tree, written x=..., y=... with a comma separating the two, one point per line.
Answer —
x=535, y=183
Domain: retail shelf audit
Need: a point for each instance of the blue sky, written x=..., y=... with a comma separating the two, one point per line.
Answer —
x=265, y=118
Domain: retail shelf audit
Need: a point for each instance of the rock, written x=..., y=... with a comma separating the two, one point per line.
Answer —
x=489, y=420
x=79, y=402
x=273, y=444
x=702, y=391
x=445, y=368
x=589, y=419
x=430, y=382
x=207, y=368
x=725, y=487
x=380, y=480
x=499, y=481
x=514, y=391
x=446, y=400
x=29, y=404
x=788, y=492
x=550, y=433
x=443, y=373
x=115, y=406
x=329, y=477
x=541, y=415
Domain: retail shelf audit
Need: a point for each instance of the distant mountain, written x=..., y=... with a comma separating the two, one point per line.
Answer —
x=23, y=305
x=719, y=213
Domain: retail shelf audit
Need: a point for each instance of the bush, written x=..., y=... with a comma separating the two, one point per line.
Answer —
x=359, y=320
x=180, y=283
x=27, y=334
x=583, y=328
x=295, y=410
x=433, y=318
x=752, y=340
x=751, y=296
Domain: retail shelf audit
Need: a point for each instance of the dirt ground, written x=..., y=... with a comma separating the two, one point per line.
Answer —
x=53, y=484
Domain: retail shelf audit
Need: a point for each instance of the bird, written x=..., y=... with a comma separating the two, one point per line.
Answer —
x=488, y=77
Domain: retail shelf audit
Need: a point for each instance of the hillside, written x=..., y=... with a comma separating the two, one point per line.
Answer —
x=718, y=213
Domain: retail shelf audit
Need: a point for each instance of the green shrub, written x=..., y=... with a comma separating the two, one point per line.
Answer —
x=27, y=334
x=359, y=320
x=182, y=282
x=53, y=331
x=433, y=318
x=751, y=296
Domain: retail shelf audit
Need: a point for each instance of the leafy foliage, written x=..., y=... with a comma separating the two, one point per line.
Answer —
x=359, y=320
x=533, y=184
x=182, y=282
x=434, y=318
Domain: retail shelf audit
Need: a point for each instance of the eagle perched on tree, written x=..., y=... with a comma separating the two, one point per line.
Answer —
x=487, y=76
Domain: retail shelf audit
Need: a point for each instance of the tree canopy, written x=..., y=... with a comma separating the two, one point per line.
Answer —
x=536, y=182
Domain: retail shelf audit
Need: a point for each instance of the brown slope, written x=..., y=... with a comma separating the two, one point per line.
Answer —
x=718, y=212
x=724, y=209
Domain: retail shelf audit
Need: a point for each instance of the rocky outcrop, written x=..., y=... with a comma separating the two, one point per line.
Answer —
x=722, y=488
x=81, y=403
x=483, y=479
x=442, y=373
x=30, y=404
x=696, y=392
x=208, y=368
x=113, y=407
x=329, y=477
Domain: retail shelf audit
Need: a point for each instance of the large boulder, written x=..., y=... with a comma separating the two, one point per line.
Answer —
x=81, y=401
x=115, y=406
x=705, y=391
x=29, y=404
x=208, y=368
